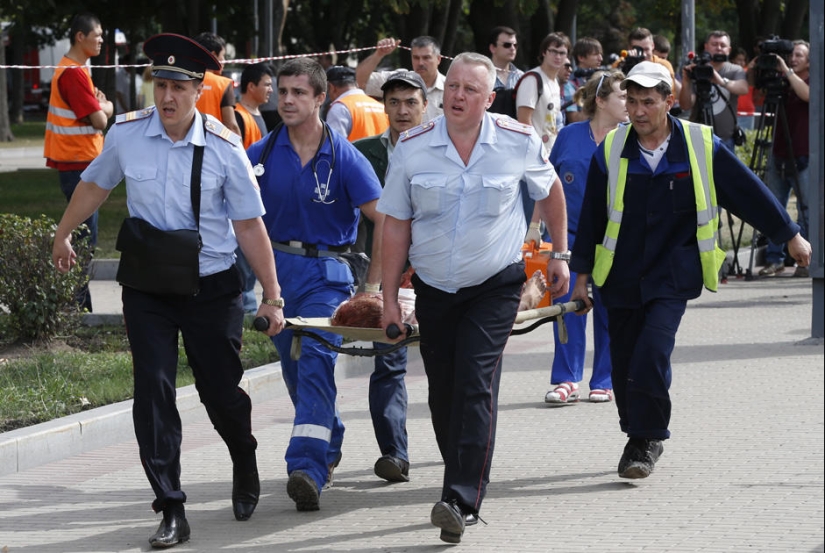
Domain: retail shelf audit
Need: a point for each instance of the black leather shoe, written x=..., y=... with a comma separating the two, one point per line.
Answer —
x=470, y=519
x=392, y=469
x=450, y=518
x=639, y=457
x=246, y=488
x=173, y=530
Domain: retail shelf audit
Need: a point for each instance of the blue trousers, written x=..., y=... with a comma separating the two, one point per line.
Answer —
x=388, y=402
x=312, y=287
x=568, y=360
x=462, y=341
x=779, y=178
x=641, y=343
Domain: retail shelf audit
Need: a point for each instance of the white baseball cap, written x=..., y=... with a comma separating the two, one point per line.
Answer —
x=648, y=74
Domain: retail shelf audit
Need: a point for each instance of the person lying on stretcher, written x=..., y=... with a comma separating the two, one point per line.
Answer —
x=364, y=310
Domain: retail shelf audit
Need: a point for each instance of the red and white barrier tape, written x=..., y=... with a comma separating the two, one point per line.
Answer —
x=227, y=62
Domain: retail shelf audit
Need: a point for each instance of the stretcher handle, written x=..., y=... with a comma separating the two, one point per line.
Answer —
x=261, y=323
x=394, y=332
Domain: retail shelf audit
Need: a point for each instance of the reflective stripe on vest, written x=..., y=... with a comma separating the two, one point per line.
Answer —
x=707, y=211
x=66, y=139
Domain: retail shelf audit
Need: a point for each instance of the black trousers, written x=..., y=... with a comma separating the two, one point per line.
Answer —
x=462, y=340
x=211, y=324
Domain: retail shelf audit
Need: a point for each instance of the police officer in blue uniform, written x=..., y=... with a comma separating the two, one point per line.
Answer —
x=153, y=149
x=314, y=184
x=453, y=204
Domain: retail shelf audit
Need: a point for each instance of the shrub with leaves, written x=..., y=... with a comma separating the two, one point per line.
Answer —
x=40, y=300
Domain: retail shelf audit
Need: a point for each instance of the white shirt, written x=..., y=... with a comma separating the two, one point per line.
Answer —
x=467, y=221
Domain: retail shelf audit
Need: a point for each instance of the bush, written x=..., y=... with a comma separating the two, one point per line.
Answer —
x=40, y=300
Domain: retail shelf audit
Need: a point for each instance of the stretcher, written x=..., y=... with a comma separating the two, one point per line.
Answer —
x=310, y=327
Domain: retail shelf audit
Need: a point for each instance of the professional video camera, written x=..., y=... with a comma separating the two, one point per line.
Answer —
x=630, y=58
x=767, y=75
x=703, y=70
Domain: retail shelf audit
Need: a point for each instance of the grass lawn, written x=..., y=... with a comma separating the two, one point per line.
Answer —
x=32, y=192
x=88, y=369
x=29, y=133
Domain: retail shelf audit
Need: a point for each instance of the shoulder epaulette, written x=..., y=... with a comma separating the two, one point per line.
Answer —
x=134, y=115
x=417, y=131
x=218, y=129
x=510, y=124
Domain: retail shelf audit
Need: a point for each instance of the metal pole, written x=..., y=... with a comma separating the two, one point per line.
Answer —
x=257, y=28
x=688, y=28
x=269, y=32
x=816, y=171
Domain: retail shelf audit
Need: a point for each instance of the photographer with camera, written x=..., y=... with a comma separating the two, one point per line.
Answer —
x=787, y=167
x=587, y=57
x=640, y=48
x=711, y=85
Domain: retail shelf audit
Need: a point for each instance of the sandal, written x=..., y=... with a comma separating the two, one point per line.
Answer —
x=601, y=395
x=566, y=392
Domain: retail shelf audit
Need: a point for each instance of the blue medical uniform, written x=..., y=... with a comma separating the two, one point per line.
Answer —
x=571, y=157
x=315, y=204
x=157, y=172
x=656, y=267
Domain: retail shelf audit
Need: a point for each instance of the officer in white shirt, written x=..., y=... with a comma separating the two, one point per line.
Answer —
x=453, y=206
x=153, y=149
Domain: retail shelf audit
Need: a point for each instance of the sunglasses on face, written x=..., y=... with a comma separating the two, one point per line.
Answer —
x=509, y=45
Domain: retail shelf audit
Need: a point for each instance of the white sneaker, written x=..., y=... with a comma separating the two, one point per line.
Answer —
x=566, y=392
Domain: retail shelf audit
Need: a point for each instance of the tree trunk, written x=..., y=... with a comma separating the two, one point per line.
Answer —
x=770, y=17
x=795, y=11
x=566, y=18
x=5, y=126
x=483, y=18
x=18, y=85
x=280, y=8
x=747, y=11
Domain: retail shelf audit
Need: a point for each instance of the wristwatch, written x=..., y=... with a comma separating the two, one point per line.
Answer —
x=564, y=256
x=725, y=81
x=279, y=302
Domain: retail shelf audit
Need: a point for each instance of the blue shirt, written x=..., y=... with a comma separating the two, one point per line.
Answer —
x=158, y=173
x=571, y=157
x=292, y=194
x=467, y=221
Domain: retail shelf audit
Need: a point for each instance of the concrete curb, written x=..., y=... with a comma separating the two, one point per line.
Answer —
x=26, y=448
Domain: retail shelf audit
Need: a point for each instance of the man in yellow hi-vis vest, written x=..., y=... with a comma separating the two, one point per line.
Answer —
x=648, y=236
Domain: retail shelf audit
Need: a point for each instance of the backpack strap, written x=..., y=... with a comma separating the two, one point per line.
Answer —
x=539, y=84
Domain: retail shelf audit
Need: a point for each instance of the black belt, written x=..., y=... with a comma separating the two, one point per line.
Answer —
x=308, y=250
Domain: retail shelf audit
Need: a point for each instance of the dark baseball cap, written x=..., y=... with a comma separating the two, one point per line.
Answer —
x=178, y=58
x=341, y=74
x=411, y=78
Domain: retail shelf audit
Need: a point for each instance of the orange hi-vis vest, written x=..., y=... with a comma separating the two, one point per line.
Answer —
x=214, y=87
x=368, y=117
x=251, y=130
x=67, y=139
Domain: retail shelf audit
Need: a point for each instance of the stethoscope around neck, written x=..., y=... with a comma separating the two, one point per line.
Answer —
x=322, y=190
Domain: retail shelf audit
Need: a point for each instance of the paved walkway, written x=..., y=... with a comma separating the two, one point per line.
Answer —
x=744, y=470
